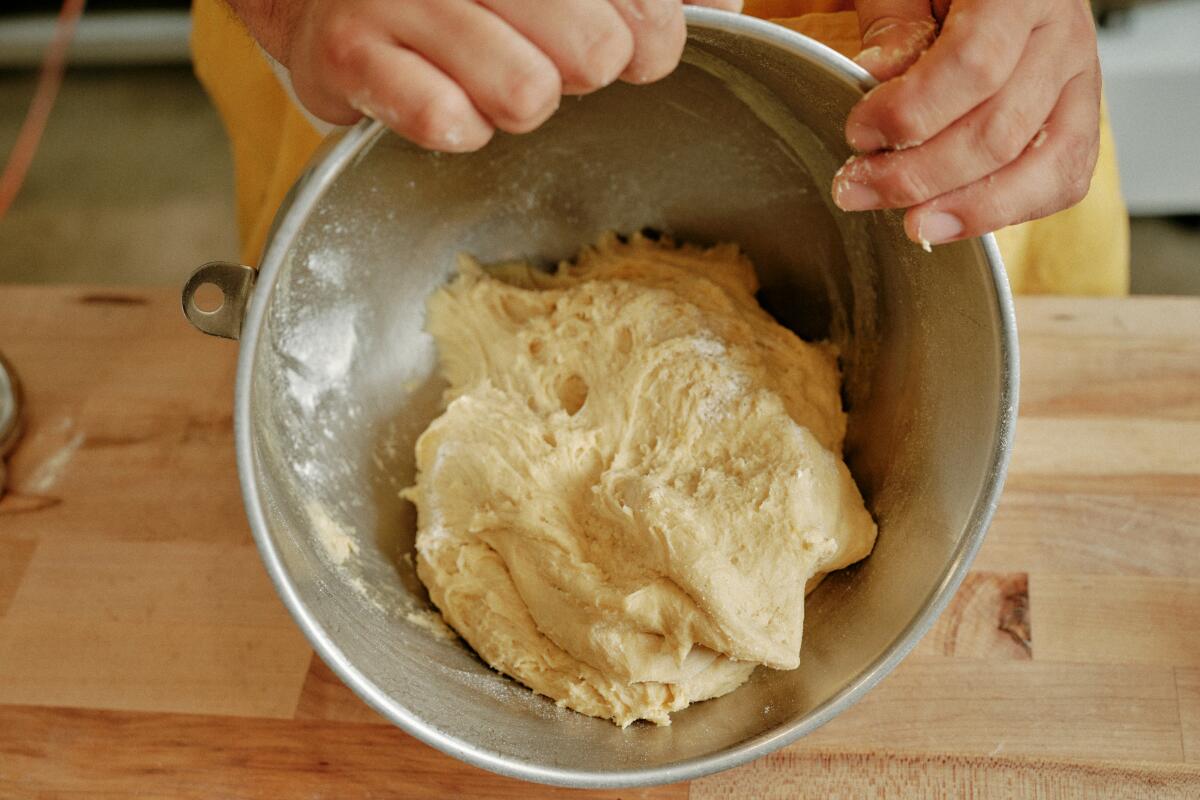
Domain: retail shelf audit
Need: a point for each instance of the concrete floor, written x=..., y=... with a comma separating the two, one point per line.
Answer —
x=134, y=184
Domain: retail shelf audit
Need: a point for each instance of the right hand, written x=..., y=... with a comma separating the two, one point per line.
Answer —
x=447, y=73
x=993, y=122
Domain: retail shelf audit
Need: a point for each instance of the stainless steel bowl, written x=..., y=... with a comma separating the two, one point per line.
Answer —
x=336, y=379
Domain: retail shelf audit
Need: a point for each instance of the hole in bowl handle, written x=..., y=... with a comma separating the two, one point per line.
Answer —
x=236, y=282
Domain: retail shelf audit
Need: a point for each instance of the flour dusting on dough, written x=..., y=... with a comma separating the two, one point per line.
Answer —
x=637, y=474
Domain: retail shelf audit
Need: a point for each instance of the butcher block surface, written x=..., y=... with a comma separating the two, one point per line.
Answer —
x=143, y=651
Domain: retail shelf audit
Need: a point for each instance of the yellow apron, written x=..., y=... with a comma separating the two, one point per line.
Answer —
x=1084, y=250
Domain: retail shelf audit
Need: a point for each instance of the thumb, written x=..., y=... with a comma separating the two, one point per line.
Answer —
x=894, y=34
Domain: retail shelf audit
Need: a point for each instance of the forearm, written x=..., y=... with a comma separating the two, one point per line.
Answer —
x=270, y=22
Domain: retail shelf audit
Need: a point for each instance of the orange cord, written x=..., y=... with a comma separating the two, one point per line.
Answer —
x=54, y=64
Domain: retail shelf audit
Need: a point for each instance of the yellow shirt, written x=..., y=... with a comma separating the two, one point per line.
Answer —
x=1083, y=250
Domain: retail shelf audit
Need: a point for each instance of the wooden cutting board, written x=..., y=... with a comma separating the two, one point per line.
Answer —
x=143, y=651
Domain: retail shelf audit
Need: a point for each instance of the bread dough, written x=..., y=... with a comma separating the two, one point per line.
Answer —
x=637, y=473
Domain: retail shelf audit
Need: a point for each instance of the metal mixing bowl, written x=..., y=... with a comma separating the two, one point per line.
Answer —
x=336, y=379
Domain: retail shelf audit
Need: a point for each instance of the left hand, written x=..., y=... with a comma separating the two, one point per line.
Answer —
x=994, y=122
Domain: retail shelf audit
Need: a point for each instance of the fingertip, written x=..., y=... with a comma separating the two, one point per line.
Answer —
x=326, y=105
x=338, y=115
x=606, y=55
x=862, y=132
x=864, y=138
x=640, y=73
x=445, y=121
x=850, y=195
x=928, y=226
x=648, y=70
x=912, y=229
x=527, y=99
x=660, y=34
x=463, y=137
x=894, y=47
x=871, y=59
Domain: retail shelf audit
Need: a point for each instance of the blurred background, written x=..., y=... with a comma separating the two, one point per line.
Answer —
x=133, y=182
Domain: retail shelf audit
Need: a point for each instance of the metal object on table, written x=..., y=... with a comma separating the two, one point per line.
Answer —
x=11, y=401
x=234, y=282
x=336, y=380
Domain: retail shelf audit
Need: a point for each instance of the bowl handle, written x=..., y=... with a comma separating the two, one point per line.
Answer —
x=235, y=282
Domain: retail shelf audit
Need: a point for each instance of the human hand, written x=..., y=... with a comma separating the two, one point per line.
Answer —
x=993, y=123
x=446, y=73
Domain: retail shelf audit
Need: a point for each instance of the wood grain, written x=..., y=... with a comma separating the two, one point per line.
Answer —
x=1187, y=682
x=172, y=625
x=1170, y=322
x=1094, y=534
x=150, y=402
x=113, y=755
x=1106, y=446
x=1134, y=357
x=15, y=555
x=793, y=774
x=324, y=696
x=1117, y=619
x=1161, y=484
x=197, y=668
x=1030, y=708
x=988, y=618
x=143, y=651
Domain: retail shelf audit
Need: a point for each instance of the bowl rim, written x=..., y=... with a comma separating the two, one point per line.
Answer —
x=327, y=165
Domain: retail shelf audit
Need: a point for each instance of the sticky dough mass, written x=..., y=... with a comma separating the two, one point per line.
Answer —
x=637, y=473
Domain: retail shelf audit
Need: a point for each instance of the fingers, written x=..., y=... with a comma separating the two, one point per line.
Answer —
x=658, y=33
x=587, y=40
x=995, y=124
x=516, y=87
x=977, y=51
x=446, y=73
x=989, y=137
x=592, y=42
x=894, y=34
x=1053, y=173
x=418, y=101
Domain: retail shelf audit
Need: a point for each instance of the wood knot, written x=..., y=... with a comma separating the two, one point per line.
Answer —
x=1014, y=611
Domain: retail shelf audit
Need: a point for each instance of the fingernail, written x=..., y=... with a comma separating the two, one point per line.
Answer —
x=874, y=61
x=453, y=136
x=868, y=56
x=938, y=227
x=850, y=196
x=864, y=138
